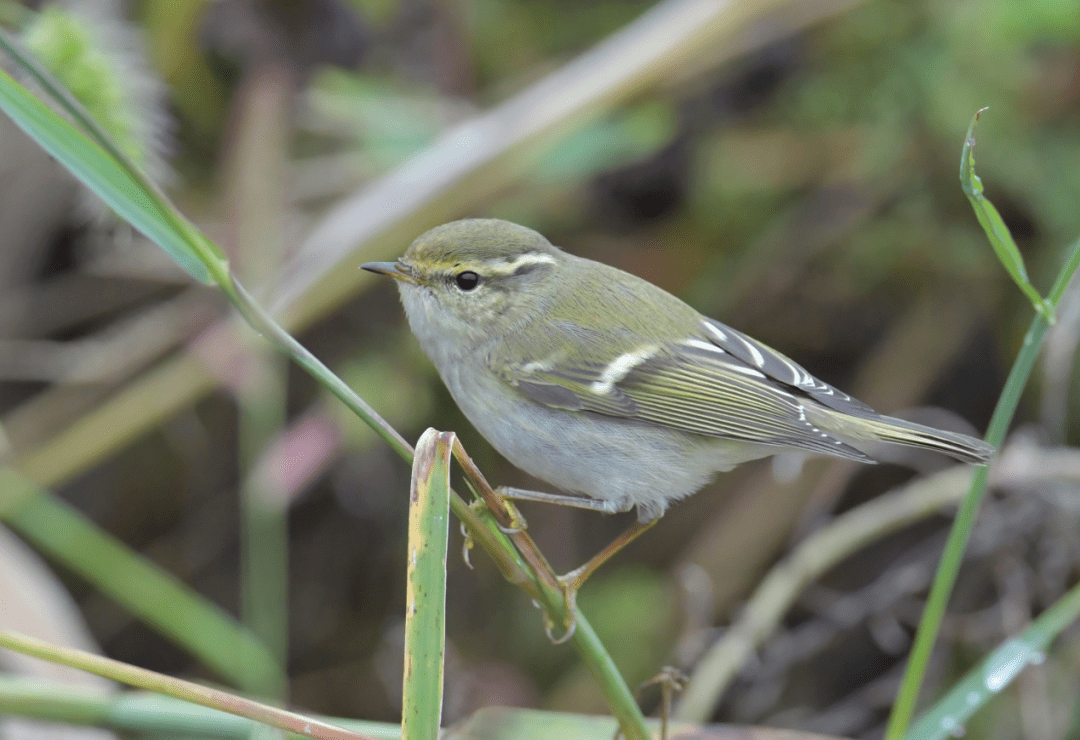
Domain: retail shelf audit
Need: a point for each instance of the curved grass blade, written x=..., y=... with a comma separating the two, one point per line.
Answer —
x=996, y=230
x=143, y=714
x=425, y=613
x=177, y=687
x=949, y=568
x=120, y=185
x=981, y=684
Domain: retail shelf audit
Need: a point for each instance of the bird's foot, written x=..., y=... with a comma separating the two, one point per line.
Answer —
x=569, y=583
x=467, y=544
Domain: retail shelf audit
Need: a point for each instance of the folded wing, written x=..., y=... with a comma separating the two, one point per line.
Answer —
x=718, y=383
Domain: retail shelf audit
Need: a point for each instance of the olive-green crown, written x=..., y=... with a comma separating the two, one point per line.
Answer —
x=485, y=243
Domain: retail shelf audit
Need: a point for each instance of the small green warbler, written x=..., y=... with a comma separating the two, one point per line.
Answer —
x=608, y=387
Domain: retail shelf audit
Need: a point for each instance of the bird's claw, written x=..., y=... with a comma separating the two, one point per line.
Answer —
x=511, y=530
x=517, y=521
x=467, y=545
x=549, y=630
x=569, y=585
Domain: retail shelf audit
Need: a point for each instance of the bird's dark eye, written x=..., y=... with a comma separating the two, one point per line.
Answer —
x=467, y=280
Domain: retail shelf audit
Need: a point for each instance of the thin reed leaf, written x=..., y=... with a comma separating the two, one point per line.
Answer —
x=98, y=171
x=141, y=713
x=176, y=687
x=960, y=533
x=996, y=231
x=984, y=682
x=425, y=589
x=100, y=165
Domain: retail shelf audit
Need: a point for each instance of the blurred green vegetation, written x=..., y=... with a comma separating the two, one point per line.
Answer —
x=805, y=192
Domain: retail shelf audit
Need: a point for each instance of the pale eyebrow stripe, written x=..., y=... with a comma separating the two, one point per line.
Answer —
x=620, y=368
x=522, y=260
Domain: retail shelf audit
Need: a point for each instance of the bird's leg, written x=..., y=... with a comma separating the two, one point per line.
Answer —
x=572, y=581
x=559, y=499
x=506, y=516
x=577, y=577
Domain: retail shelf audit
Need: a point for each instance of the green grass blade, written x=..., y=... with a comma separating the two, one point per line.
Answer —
x=140, y=587
x=125, y=190
x=949, y=568
x=960, y=533
x=209, y=253
x=141, y=713
x=178, y=688
x=425, y=612
x=946, y=719
x=996, y=230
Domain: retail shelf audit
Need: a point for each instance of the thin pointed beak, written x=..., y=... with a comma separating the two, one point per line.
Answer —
x=395, y=270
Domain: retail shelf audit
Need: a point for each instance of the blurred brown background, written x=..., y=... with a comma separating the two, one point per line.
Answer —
x=790, y=169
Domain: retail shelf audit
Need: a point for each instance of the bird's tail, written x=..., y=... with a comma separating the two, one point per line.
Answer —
x=898, y=431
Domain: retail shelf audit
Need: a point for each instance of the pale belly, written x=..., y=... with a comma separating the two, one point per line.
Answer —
x=623, y=461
